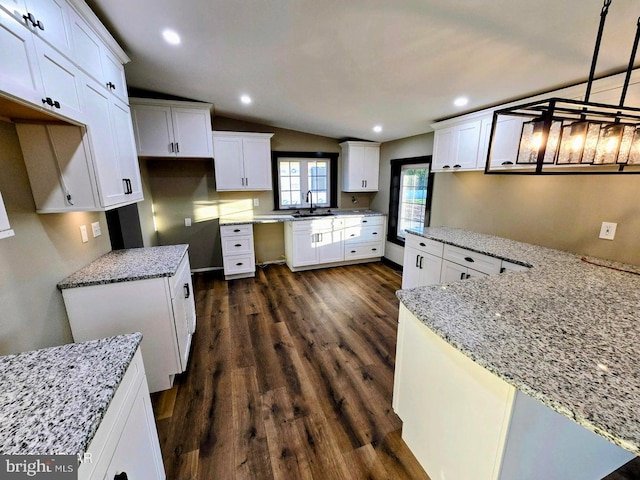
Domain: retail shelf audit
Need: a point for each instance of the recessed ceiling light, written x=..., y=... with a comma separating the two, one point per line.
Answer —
x=246, y=99
x=377, y=128
x=171, y=37
x=461, y=101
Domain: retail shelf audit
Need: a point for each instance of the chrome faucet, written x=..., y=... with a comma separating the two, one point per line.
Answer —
x=310, y=202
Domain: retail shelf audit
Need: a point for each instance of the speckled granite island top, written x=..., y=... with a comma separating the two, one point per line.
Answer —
x=53, y=400
x=566, y=332
x=283, y=216
x=128, y=265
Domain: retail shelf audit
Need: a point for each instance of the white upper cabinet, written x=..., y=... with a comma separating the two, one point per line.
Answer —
x=5, y=227
x=172, y=129
x=47, y=19
x=95, y=59
x=242, y=161
x=360, y=166
x=456, y=148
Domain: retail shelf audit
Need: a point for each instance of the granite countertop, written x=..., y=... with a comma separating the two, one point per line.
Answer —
x=53, y=400
x=565, y=332
x=283, y=216
x=128, y=265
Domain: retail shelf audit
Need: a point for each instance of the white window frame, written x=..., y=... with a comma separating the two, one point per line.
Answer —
x=304, y=183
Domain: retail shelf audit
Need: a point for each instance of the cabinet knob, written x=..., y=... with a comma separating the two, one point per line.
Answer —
x=121, y=476
x=34, y=23
x=111, y=86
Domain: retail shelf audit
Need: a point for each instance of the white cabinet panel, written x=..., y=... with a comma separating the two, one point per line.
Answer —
x=242, y=161
x=238, y=256
x=456, y=148
x=20, y=75
x=126, y=151
x=360, y=166
x=165, y=128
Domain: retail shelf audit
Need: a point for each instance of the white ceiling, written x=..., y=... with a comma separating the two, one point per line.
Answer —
x=337, y=68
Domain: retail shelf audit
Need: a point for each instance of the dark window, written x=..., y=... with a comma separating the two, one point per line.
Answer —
x=295, y=173
x=410, y=198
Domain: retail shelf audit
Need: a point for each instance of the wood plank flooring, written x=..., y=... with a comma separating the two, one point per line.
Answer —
x=290, y=377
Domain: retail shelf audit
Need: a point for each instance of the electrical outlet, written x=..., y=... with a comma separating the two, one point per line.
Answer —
x=608, y=230
x=187, y=222
x=256, y=202
x=83, y=233
x=95, y=227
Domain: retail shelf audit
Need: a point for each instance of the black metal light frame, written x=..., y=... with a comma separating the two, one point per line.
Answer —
x=565, y=112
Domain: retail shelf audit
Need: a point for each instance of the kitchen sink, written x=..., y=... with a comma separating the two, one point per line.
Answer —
x=309, y=215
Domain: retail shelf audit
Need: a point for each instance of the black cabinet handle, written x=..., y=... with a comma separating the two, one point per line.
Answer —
x=111, y=86
x=507, y=162
x=239, y=263
x=468, y=275
x=421, y=258
x=353, y=251
x=128, y=189
x=353, y=234
x=177, y=147
x=469, y=259
x=374, y=233
x=236, y=230
x=171, y=149
x=34, y=23
x=422, y=244
x=121, y=476
x=374, y=249
x=364, y=221
x=187, y=290
x=457, y=166
x=238, y=245
x=462, y=276
x=49, y=101
x=446, y=166
x=502, y=269
x=417, y=261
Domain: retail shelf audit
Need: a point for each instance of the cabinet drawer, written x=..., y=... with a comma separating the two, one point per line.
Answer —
x=232, y=230
x=239, y=264
x=316, y=225
x=365, y=250
x=364, y=221
x=476, y=261
x=363, y=234
x=425, y=245
x=237, y=245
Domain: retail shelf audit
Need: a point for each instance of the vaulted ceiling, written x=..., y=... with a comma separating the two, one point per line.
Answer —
x=337, y=68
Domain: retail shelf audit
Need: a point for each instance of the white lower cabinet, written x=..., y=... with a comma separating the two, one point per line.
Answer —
x=238, y=255
x=5, y=227
x=453, y=409
x=126, y=442
x=422, y=262
x=162, y=309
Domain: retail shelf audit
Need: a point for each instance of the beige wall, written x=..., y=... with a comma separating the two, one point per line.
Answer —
x=45, y=249
x=186, y=189
x=563, y=212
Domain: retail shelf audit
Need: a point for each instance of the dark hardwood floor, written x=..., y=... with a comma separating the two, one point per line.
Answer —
x=291, y=376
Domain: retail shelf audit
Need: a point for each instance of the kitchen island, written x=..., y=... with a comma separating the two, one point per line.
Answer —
x=80, y=399
x=558, y=339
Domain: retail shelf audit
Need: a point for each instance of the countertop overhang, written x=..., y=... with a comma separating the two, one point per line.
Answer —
x=285, y=216
x=566, y=332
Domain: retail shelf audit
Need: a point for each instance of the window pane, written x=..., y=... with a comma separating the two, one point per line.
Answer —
x=300, y=175
x=413, y=198
x=295, y=198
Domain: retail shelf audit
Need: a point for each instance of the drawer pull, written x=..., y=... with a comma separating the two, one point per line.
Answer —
x=446, y=166
x=422, y=244
x=353, y=251
x=364, y=221
x=374, y=249
x=239, y=263
x=236, y=230
x=353, y=234
x=469, y=259
x=457, y=165
x=374, y=233
x=238, y=245
x=507, y=163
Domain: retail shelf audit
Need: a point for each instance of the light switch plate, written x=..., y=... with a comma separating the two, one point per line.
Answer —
x=83, y=233
x=608, y=230
x=256, y=202
x=187, y=222
x=97, y=231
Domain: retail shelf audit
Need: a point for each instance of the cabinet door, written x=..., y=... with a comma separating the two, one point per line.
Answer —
x=443, y=149
x=126, y=151
x=20, y=75
x=103, y=144
x=305, y=248
x=57, y=158
x=88, y=47
x=483, y=149
x=257, y=163
x=371, y=168
x=452, y=272
x=354, y=166
x=228, y=163
x=183, y=311
x=411, y=267
x=137, y=453
x=430, y=269
x=153, y=130
x=192, y=132
x=467, y=138
x=113, y=75
x=330, y=246
x=506, y=141
x=53, y=18
x=61, y=81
